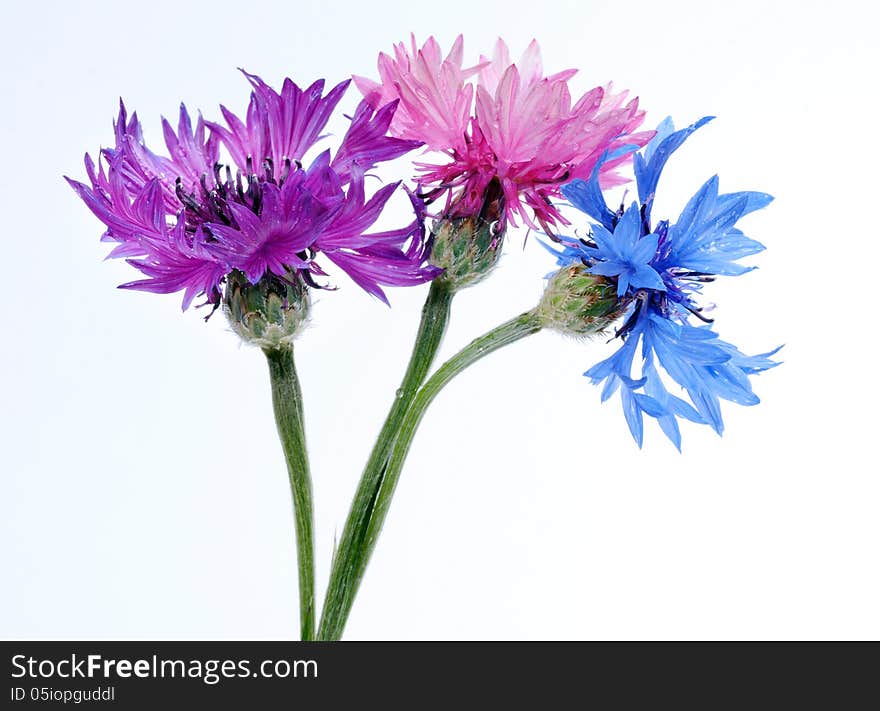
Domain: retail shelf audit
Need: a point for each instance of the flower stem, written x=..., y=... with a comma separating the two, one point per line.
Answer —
x=509, y=332
x=288, y=405
x=351, y=556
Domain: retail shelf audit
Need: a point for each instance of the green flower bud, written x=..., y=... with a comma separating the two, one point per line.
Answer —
x=269, y=314
x=467, y=247
x=579, y=303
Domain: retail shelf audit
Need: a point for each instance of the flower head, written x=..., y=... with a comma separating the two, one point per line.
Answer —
x=659, y=270
x=188, y=222
x=516, y=127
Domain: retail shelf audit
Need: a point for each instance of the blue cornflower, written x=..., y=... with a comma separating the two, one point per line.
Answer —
x=659, y=270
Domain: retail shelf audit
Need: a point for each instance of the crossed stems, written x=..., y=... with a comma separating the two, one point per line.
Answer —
x=377, y=485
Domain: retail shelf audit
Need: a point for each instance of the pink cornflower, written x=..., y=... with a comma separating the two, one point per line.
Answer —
x=515, y=135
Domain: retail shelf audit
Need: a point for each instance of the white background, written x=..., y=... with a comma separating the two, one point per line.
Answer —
x=143, y=488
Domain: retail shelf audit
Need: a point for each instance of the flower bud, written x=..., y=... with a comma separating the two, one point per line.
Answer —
x=269, y=314
x=579, y=303
x=466, y=248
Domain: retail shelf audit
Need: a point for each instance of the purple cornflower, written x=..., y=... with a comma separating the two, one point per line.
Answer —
x=187, y=221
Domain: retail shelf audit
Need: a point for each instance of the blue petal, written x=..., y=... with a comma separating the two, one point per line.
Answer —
x=645, y=249
x=633, y=415
x=754, y=200
x=719, y=255
x=699, y=207
x=751, y=365
x=611, y=385
x=649, y=405
x=606, y=243
x=566, y=253
x=704, y=238
x=608, y=269
x=620, y=363
x=664, y=130
x=680, y=408
x=732, y=384
x=586, y=195
x=669, y=425
x=628, y=231
x=645, y=277
x=648, y=167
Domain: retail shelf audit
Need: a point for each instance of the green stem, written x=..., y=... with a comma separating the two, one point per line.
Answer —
x=350, y=558
x=505, y=334
x=287, y=401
